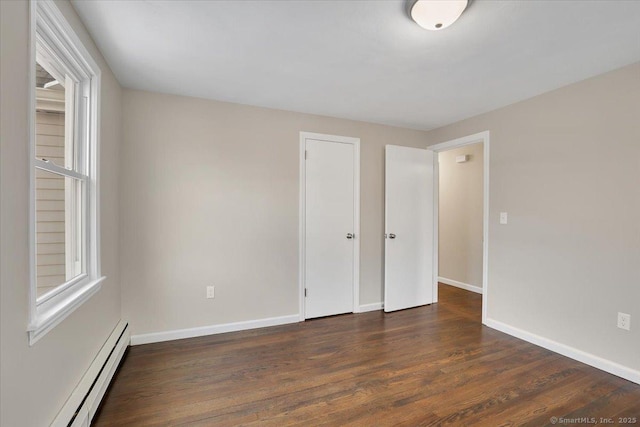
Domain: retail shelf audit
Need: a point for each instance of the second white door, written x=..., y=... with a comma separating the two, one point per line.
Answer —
x=409, y=225
x=329, y=227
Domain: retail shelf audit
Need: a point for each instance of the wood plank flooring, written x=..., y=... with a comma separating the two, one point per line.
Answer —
x=433, y=365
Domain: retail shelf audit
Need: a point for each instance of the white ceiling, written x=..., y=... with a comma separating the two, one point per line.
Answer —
x=362, y=60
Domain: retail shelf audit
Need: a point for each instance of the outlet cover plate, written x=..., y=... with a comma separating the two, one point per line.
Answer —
x=624, y=321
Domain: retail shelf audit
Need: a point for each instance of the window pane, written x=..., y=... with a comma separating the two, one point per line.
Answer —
x=54, y=114
x=58, y=230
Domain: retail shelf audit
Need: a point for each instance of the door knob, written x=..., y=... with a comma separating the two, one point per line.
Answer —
x=392, y=236
x=349, y=236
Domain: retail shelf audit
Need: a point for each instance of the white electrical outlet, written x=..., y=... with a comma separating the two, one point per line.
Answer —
x=624, y=321
x=210, y=292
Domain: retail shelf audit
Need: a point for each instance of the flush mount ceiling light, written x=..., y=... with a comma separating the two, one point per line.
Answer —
x=436, y=14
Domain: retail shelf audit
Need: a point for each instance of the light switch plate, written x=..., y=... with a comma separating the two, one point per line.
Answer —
x=504, y=217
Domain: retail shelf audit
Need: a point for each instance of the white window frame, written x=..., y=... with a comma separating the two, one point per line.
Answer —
x=52, y=36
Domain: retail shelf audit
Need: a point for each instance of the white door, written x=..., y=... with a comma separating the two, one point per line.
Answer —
x=409, y=228
x=329, y=227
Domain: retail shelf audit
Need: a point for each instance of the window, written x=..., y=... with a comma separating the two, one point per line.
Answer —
x=65, y=263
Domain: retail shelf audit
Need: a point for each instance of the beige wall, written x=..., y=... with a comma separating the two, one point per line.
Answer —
x=566, y=167
x=460, y=215
x=210, y=196
x=37, y=380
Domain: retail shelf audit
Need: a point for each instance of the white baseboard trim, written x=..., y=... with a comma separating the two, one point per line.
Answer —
x=371, y=307
x=573, y=353
x=212, y=329
x=461, y=285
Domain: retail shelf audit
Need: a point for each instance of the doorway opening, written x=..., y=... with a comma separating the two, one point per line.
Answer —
x=461, y=235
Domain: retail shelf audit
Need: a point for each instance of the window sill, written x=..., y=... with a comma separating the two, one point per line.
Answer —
x=49, y=314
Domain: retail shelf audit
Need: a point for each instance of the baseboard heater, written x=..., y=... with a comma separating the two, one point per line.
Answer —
x=80, y=408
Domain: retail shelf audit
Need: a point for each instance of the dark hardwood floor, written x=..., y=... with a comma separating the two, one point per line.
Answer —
x=433, y=365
